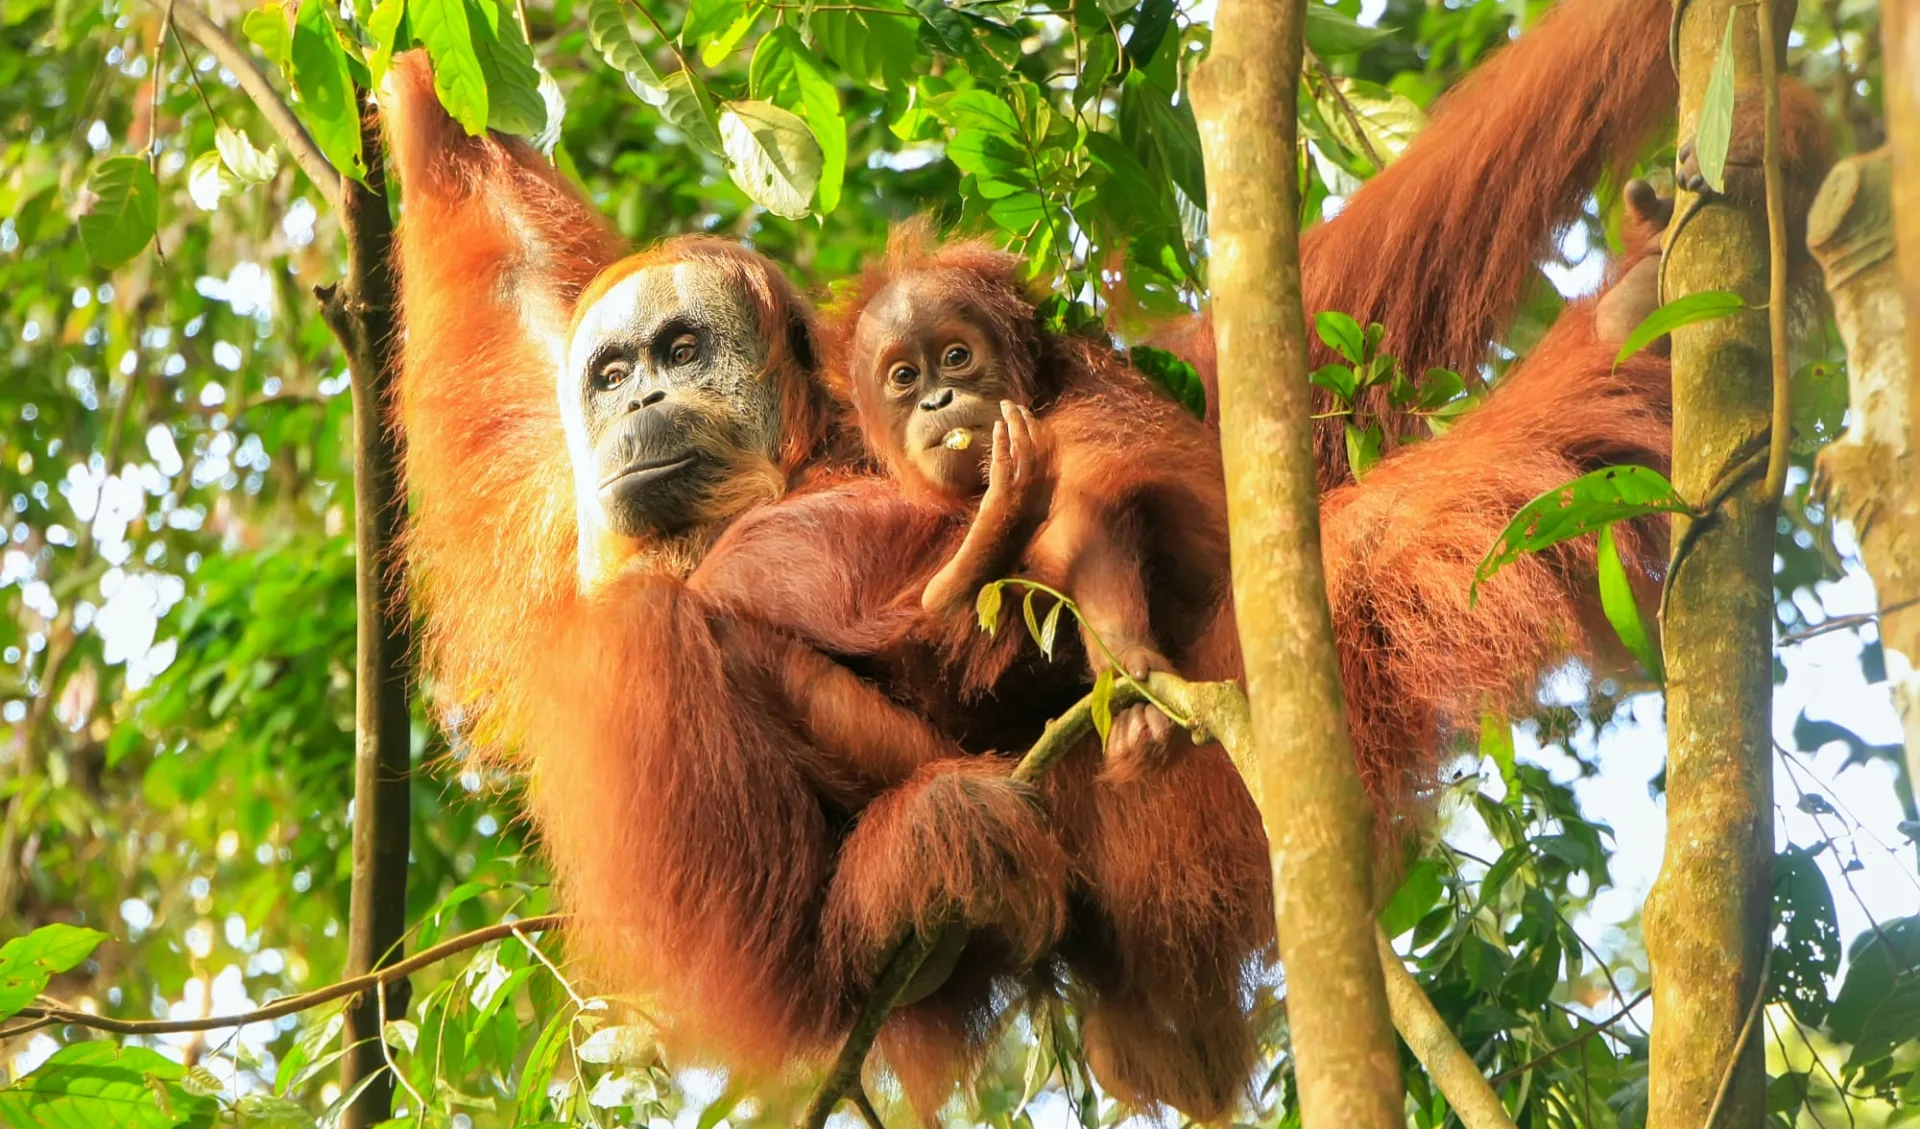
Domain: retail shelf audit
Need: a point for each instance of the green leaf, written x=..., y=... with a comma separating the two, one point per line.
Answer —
x=772, y=156
x=1496, y=744
x=1337, y=379
x=541, y=1060
x=265, y=1111
x=1173, y=376
x=457, y=76
x=1440, y=386
x=1714, y=135
x=266, y=27
x=383, y=27
x=1101, y=700
x=785, y=72
x=1050, y=629
x=1149, y=31
x=1881, y=959
x=1704, y=306
x=1808, y=951
x=1604, y=496
x=1332, y=32
x=1341, y=334
x=326, y=88
x=980, y=110
x=209, y=182
x=987, y=606
x=1033, y=619
x=1622, y=609
x=27, y=963
x=514, y=103
x=1364, y=446
x=610, y=34
x=1419, y=892
x=125, y=211
x=250, y=165
x=689, y=109
x=720, y=46
x=873, y=48
x=103, y=1086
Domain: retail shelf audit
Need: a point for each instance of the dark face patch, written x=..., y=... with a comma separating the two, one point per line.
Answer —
x=929, y=375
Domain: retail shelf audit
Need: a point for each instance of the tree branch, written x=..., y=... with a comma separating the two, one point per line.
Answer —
x=1452, y=1069
x=292, y=1005
x=272, y=107
x=1582, y=1037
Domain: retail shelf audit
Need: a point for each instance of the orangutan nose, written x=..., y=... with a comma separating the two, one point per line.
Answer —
x=937, y=401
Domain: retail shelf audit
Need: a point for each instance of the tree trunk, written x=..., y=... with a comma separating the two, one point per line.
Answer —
x=1301, y=772
x=361, y=313
x=1873, y=471
x=1707, y=916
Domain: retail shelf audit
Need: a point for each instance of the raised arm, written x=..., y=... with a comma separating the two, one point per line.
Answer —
x=494, y=247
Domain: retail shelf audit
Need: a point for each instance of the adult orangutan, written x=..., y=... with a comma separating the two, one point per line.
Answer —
x=715, y=796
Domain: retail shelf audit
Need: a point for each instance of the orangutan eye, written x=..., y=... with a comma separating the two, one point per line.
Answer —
x=957, y=355
x=612, y=374
x=685, y=348
x=903, y=376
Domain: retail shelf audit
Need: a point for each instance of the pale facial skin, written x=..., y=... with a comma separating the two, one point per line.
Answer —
x=667, y=371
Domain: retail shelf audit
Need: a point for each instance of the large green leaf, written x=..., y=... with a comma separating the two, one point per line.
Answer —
x=126, y=208
x=689, y=109
x=1177, y=378
x=27, y=963
x=1808, y=952
x=1332, y=32
x=100, y=1085
x=1714, y=135
x=787, y=74
x=873, y=46
x=1704, y=306
x=772, y=156
x=442, y=26
x=1593, y=500
x=514, y=104
x=613, y=37
x=1622, y=609
x=327, y=101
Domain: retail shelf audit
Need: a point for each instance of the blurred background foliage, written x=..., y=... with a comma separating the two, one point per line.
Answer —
x=176, y=653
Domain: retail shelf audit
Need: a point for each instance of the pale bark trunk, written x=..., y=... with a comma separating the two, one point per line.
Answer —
x=1301, y=771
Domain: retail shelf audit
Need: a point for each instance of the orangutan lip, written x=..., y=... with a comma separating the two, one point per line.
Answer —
x=649, y=470
x=940, y=441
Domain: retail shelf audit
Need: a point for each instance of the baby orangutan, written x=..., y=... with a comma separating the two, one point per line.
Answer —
x=967, y=402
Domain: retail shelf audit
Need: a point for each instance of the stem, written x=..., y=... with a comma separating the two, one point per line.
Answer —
x=1578, y=1040
x=305, y=1001
x=362, y=314
x=1300, y=767
x=1113, y=661
x=1781, y=434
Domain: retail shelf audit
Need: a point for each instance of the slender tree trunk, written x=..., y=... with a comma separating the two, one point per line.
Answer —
x=1874, y=469
x=361, y=313
x=1707, y=916
x=1301, y=772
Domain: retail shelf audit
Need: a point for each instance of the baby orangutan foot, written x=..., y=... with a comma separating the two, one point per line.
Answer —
x=1636, y=294
x=1141, y=734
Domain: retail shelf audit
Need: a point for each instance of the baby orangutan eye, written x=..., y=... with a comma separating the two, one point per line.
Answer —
x=903, y=376
x=957, y=355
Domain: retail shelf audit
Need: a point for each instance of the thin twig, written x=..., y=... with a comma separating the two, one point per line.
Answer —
x=1746, y=1030
x=272, y=107
x=1346, y=107
x=1577, y=1040
x=1846, y=622
x=1782, y=430
x=292, y=1005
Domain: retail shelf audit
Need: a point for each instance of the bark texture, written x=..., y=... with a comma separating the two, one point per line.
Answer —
x=1707, y=916
x=1301, y=771
x=1872, y=473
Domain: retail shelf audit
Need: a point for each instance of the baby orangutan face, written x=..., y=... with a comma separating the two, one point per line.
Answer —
x=929, y=372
